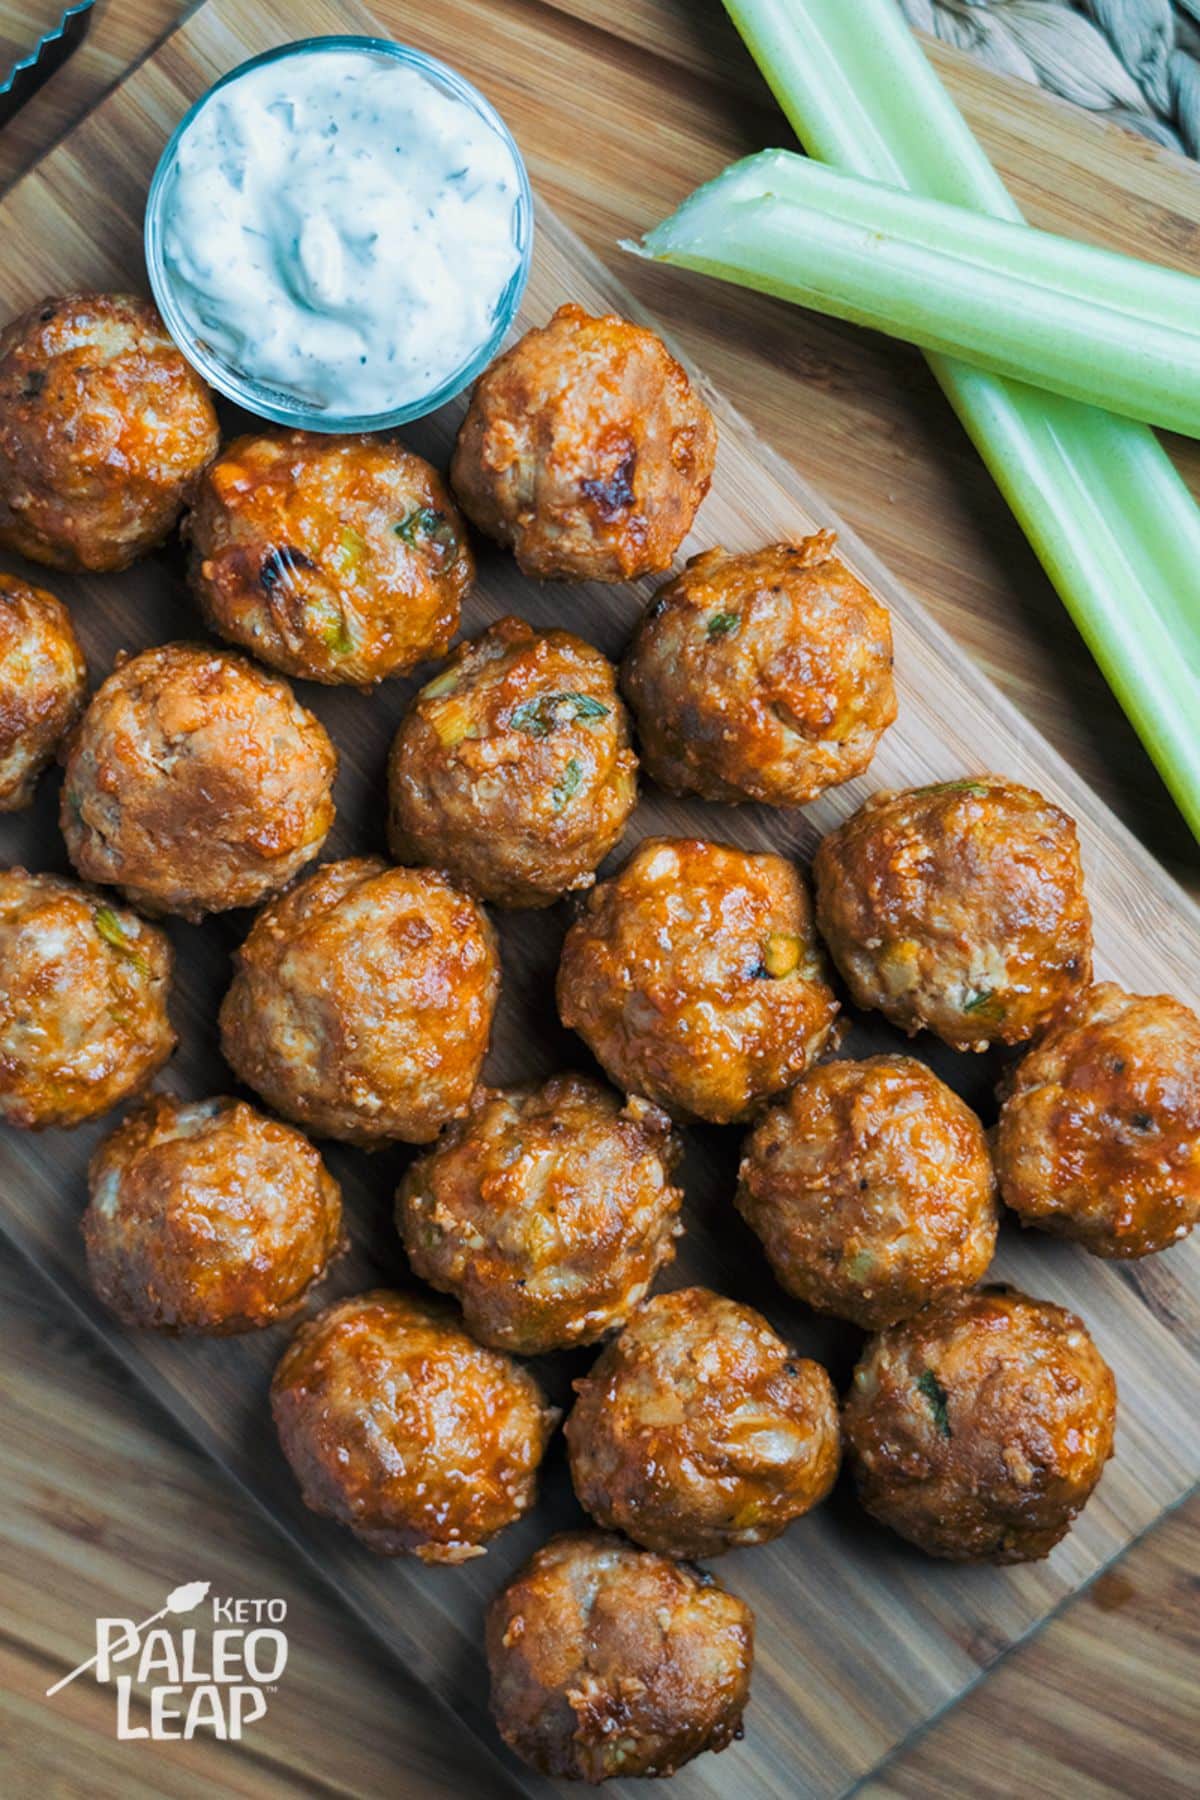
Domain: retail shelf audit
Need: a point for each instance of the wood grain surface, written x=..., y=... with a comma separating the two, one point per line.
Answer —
x=398, y=23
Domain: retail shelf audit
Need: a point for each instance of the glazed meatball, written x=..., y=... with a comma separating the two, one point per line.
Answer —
x=103, y=427
x=399, y=1425
x=979, y=1427
x=698, y=1429
x=958, y=908
x=694, y=976
x=585, y=449
x=608, y=1661
x=1099, y=1132
x=546, y=1212
x=196, y=782
x=362, y=1002
x=337, y=559
x=512, y=769
x=205, y=1216
x=761, y=677
x=872, y=1190
x=83, y=1001
x=43, y=681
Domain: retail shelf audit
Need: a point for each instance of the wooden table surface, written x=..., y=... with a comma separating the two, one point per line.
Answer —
x=102, y=1504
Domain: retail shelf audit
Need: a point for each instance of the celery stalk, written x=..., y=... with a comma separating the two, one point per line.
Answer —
x=1111, y=520
x=1101, y=328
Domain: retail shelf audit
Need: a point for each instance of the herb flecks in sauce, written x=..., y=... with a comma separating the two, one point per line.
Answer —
x=984, y=1001
x=110, y=928
x=349, y=551
x=445, y=683
x=426, y=526
x=452, y=720
x=538, y=718
x=567, y=784
x=338, y=638
x=933, y=1391
x=964, y=786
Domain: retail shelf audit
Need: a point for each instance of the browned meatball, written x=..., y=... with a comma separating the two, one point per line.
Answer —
x=103, y=426
x=763, y=677
x=872, y=1190
x=196, y=782
x=43, y=682
x=83, y=1001
x=546, y=1212
x=338, y=559
x=206, y=1216
x=699, y=1430
x=362, y=1002
x=979, y=1427
x=607, y=1661
x=1099, y=1133
x=695, y=977
x=585, y=449
x=512, y=769
x=958, y=908
x=398, y=1425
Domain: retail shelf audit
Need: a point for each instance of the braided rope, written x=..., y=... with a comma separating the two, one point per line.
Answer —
x=1134, y=61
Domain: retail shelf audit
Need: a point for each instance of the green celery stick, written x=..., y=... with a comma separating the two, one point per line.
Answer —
x=1111, y=520
x=1099, y=327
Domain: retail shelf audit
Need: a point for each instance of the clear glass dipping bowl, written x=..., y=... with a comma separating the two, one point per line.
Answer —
x=270, y=402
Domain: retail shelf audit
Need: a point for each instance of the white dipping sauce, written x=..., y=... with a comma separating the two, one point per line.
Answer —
x=342, y=229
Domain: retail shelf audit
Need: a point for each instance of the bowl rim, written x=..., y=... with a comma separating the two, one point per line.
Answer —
x=274, y=404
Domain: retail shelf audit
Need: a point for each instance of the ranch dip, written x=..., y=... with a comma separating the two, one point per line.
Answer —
x=340, y=228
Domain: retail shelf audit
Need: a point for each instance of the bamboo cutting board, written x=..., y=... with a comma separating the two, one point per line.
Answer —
x=860, y=1640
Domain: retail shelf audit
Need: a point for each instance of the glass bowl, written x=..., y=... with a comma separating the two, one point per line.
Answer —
x=270, y=402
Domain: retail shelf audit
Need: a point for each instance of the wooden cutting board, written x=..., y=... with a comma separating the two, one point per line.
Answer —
x=860, y=1639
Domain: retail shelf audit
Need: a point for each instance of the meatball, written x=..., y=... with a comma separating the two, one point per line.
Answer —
x=103, y=427
x=958, y=908
x=761, y=677
x=608, y=1661
x=512, y=769
x=196, y=782
x=695, y=977
x=43, y=681
x=337, y=559
x=205, y=1216
x=585, y=449
x=1099, y=1132
x=979, y=1427
x=362, y=1002
x=83, y=1002
x=698, y=1430
x=546, y=1212
x=398, y=1425
x=872, y=1190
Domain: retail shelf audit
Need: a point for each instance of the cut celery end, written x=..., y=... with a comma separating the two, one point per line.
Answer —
x=1094, y=326
x=1108, y=515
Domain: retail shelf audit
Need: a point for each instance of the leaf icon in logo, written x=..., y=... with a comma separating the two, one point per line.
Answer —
x=187, y=1598
x=182, y=1599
